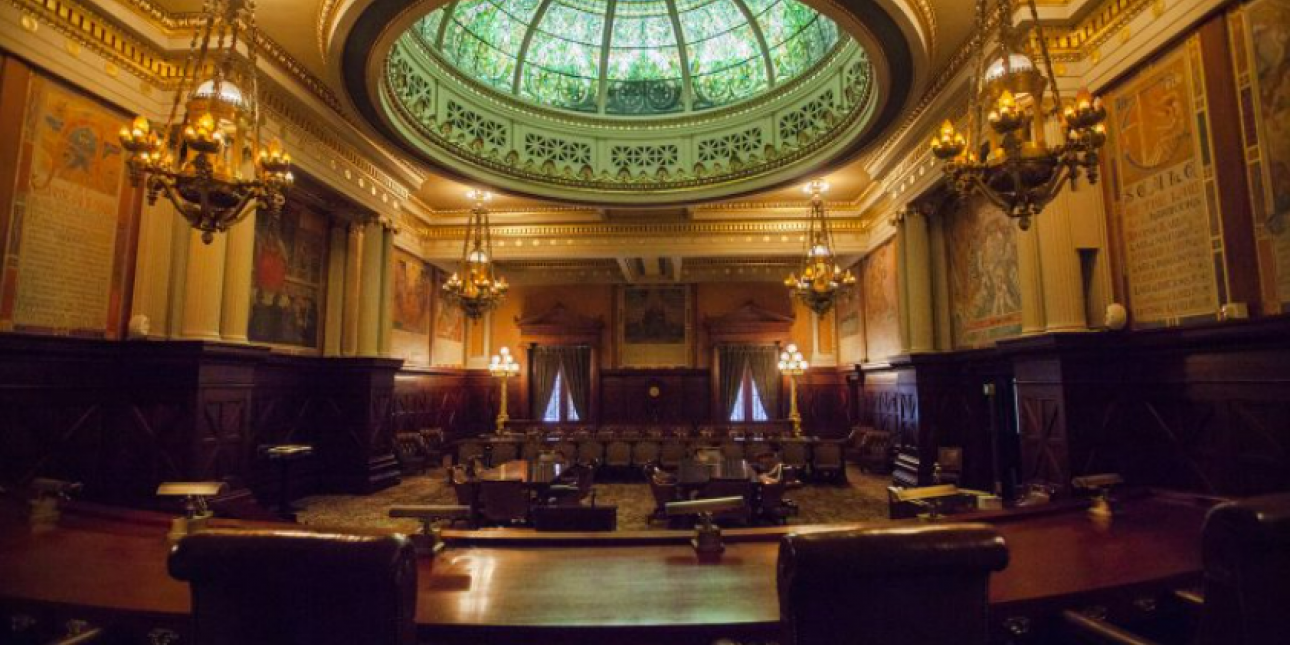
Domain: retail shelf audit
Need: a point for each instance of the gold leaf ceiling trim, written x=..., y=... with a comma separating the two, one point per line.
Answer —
x=622, y=230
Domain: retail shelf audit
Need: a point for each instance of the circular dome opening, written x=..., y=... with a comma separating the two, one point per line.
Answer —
x=630, y=57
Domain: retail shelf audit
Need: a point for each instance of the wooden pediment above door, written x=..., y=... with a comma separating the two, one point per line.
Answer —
x=749, y=324
x=559, y=326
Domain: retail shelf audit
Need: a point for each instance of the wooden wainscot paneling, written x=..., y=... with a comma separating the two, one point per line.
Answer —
x=666, y=396
x=357, y=441
x=1204, y=409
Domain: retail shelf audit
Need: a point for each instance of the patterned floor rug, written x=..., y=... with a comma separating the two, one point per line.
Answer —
x=862, y=499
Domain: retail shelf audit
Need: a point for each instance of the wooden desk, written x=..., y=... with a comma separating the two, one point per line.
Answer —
x=535, y=472
x=693, y=472
x=513, y=586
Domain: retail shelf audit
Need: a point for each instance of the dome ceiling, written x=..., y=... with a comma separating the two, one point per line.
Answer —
x=632, y=103
x=630, y=57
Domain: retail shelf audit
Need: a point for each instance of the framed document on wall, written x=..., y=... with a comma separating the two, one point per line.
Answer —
x=654, y=326
x=70, y=220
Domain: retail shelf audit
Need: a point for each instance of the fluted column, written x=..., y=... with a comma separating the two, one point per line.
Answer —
x=203, y=287
x=918, y=278
x=1030, y=282
x=239, y=257
x=369, y=297
x=1059, y=260
x=353, y=282
x=902, y=281
x=155, y=274
x=334, y=321
x=387, y=290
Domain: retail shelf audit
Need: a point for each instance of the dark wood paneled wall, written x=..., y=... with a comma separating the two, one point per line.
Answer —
x=1204, y=409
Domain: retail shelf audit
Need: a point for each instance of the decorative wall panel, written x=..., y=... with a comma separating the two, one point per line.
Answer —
x=289, y=277
x=447, y=348
x=985, y=293
x=881, y=303
x=413, y=284
x=655, y=326
x=68, y=233
x=1261, y=47
x=1164, y=202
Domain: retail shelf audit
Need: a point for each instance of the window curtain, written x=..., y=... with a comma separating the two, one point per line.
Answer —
x=577, y=376
x=763, y=367
x=732, y=360
x=546, y=366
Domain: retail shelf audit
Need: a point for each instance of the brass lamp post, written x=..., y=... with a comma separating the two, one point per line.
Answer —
x=503, y=367
x=793, y=365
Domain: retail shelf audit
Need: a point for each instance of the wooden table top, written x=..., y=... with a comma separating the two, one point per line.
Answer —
x=693, y=472
x=612, y=580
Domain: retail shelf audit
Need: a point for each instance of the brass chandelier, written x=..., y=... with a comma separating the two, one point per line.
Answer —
x=1015, y=169
x=210, y=163
x=475, y=287
x=819, y=280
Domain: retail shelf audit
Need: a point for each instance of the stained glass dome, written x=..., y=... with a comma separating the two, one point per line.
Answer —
x=630, y=57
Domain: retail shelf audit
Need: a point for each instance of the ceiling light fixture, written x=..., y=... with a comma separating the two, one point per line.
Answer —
x=210, y=165
x=475, y=287
x=819, y=279
x=1015, y=169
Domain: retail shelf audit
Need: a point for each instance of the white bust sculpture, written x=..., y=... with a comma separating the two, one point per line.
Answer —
x=139, y=327
x=1116, y=316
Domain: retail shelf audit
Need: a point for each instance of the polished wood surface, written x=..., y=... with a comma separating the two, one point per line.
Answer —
x=529, y=472
x=516, y=583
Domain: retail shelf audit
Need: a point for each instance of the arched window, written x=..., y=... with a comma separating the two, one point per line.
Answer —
x=559, y=407
x=748, y=405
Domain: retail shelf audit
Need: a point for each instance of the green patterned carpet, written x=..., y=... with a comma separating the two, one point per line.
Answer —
x=864, y=498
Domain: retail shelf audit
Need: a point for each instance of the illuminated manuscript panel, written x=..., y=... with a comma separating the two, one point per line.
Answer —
x=881, y=303
x=1163, y=193
x=1260, y=51
x=985, y=293
x=72, y=220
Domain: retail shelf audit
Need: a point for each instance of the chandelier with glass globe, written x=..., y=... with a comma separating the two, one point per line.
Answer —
x=819, y=279
x=1015, y=168
x=476, y=288
x=207, y=159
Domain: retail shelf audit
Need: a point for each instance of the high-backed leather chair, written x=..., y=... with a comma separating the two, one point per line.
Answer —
x=276, y=588
x=914, y=586
x=1246, y=549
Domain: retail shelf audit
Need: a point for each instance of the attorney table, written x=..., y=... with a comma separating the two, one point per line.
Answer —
x=108, y=567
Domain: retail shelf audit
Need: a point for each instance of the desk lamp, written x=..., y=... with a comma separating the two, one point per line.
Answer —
x=196, y=511
x=707, y=536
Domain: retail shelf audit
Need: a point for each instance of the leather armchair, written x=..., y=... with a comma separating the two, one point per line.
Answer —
x=1246, y=552
x=280, y=588
x=914, y=586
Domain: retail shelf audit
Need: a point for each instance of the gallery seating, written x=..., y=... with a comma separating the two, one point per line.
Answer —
x=924, y=586
x=261, y=587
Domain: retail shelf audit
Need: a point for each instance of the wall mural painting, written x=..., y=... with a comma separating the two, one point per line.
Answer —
x=450, y=322
x=848, y=314
x=66, y=254
x=413, y=280
x=654, y=326
x=985, y=295
x=1263, y=43
x=289, y=278
x=1163, y=190
x=881, y=302
x=447, y=348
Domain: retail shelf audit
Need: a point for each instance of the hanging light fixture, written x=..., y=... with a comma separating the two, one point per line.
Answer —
x=1015, y=169
x=210, y=163
x=820, y=279
x=475, y=287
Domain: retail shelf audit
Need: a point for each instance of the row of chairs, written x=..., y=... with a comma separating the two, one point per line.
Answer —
x=709, y=431
x=824, y=460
